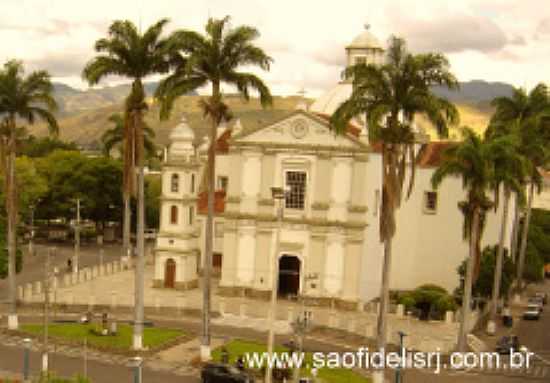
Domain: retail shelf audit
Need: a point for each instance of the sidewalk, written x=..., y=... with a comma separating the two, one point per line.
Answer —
x=117, y=291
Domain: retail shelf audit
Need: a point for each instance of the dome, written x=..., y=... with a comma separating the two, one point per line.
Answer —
x=182, y=131
x=331, y=100
x=365, y=40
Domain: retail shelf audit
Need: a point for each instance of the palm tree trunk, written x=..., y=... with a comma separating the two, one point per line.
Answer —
x=515, y=231
x=523, y=248
x=208, y=235
x=140, y=257
x=467, y=296
x=500, y=255
x=126, y=223
x=384, y=296
x=11, y=206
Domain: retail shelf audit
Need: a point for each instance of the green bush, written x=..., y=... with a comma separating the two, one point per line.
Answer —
x=430, y=300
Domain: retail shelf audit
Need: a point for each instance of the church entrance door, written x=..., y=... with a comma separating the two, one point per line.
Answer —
x=289, y=276
x=170, y=274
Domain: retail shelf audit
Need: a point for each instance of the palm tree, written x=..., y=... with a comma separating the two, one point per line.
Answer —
x=391, y=95
x=213, y=58
x=510, y=170
x=129, y=53
x=115, y=136
x=473, y=160
x=21, y=98
x=526, y=115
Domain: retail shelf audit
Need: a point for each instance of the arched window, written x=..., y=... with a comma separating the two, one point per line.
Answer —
x=174, y=215
x=175, y=183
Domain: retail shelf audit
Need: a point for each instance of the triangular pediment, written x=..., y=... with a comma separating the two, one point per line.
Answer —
x=299, y=128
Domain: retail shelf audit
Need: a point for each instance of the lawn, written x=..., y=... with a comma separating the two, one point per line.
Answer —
x=152, y=337
x=237, y=348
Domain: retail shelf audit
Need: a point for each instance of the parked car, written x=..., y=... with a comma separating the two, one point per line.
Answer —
x=542, y=296
x=532, y=312
x=507, y=344
x=537, y=302
x=220, y=373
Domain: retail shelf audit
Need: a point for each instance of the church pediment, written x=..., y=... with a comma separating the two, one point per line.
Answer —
x=299, y=129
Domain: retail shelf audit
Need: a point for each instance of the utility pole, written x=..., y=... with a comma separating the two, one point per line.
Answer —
x=46, y=311
x=31, y=240
x=77, y=238
x=278, y=194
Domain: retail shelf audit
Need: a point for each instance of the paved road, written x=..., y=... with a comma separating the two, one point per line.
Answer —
x=11, y=359
x=33, y=266
x=535, y=335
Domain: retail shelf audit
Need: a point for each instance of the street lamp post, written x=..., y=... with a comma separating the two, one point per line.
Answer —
x=278, y=195
x=136, y=363
x=398, y=377
x=77, y=237
x=46, y=311
x=26, y=359
x=31, y=240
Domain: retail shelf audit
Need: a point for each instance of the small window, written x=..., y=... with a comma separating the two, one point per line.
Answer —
x=175, y=183
x=191, y=214
x=430, y=202
x=174, y=215
x=192, y=183
x=296, y=183
x=222, y=183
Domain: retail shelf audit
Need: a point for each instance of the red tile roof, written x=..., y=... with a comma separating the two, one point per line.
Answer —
x=431, y=153
x=219, y=202
x=222, y=144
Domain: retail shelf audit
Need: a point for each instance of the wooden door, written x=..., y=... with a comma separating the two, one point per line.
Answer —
x=170, y=274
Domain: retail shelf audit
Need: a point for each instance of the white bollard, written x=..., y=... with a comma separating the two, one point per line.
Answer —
x=66, y=280
x=28, y=290
x=449, y=317
x=221, y=307
x=113, y=300
x=400, y=311
x=290, y=314
x=38, y=287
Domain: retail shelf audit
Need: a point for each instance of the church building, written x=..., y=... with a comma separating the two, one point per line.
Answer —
x=329, y=247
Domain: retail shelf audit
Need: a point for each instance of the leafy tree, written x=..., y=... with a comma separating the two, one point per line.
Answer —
x=71, y=175
x=30, y=184
x=431, y=300
x=527, y=116
x=22, y=98
x=214, y=58
x=483, y=287
x=510, y=170
x=153, y=188
x=114, y=137
x=390, y=95
x=473, y=160
x=41, y=147
x=129, y=53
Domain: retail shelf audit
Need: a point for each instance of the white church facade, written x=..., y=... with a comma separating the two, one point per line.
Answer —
x=329, y=246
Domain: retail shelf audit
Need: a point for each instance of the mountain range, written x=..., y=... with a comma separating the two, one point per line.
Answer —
x=83, y=114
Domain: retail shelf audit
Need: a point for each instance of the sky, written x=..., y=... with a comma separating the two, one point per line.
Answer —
x=492, y=40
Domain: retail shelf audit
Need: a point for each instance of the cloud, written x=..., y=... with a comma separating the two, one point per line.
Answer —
x=455, y=33
x=543, y=29
x=59, y=64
